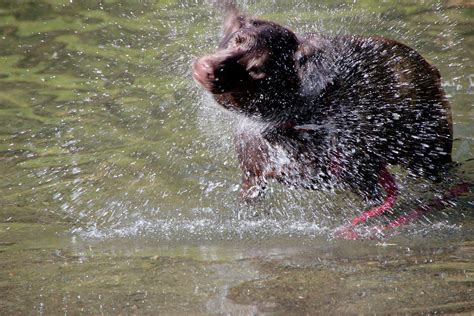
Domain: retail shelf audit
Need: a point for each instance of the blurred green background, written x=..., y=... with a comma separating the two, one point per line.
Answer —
x=107, y=143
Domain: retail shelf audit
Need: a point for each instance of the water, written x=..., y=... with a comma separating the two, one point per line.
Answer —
x=119, y=185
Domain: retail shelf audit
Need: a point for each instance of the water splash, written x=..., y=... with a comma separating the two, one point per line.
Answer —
x=106, y=130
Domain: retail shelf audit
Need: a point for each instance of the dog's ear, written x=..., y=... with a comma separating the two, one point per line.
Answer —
x=234, y=20
x=228, y=5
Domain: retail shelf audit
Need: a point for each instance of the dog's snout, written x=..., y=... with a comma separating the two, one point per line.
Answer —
x=203, y=70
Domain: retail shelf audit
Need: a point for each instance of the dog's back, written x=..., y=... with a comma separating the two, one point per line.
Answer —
x=384, y=99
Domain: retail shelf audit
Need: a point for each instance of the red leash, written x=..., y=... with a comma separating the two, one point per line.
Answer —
x=436, y=204
x=388, y=184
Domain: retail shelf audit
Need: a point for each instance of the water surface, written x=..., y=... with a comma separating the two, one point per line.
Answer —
x=118, y=182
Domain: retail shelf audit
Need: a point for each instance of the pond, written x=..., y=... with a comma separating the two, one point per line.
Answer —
x=119, y=184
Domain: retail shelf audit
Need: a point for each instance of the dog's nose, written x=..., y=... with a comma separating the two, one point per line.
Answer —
x=202, y=70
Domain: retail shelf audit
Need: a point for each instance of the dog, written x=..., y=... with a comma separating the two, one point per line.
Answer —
x=335, y=111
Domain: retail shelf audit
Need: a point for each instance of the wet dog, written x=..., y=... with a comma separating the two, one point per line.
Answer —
x=335, y=110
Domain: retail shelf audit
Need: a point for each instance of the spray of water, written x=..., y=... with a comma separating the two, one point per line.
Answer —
x=198, y=153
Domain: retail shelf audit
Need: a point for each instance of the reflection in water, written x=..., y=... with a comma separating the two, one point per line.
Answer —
x=119, y=182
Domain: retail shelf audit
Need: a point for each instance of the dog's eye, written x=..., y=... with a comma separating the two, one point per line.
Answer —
x=239, y=40
x=245, y=41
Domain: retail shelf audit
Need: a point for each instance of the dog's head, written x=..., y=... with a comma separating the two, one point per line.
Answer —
x=252, y=53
